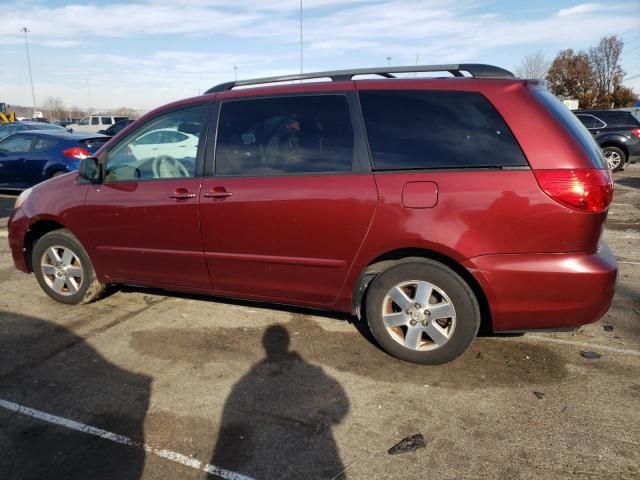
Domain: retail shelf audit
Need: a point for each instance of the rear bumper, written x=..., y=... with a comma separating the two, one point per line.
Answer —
x=18, y=227
x=546, y=291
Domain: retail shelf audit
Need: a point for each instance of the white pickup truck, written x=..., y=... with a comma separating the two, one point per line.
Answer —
x=93, y=123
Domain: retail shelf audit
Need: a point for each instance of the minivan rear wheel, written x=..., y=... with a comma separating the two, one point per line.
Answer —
x=63, y=269
x=615, y=158
x=422, y=311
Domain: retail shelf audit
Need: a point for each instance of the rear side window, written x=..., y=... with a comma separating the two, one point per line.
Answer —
x=44, y=143
x=95, y=121
x=436, y=129
x=618, y=119
x=573, y=125
x=286, y=135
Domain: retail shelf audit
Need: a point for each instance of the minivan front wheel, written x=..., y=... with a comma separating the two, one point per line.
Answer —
x=63, y=269
x=615, y=158
x=422, y=311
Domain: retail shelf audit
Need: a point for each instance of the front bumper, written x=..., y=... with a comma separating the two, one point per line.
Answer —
x=18, y=228
x=546, y=291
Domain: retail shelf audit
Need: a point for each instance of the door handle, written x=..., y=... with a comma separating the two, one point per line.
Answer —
x=182, y=194
x=217, y=192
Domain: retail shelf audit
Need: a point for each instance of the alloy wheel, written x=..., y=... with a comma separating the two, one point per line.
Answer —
x=419, y=315
x=62, y=270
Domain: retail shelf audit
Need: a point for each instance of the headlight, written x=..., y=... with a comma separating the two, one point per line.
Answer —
x=22, y=197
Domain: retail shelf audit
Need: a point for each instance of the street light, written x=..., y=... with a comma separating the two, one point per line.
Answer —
x=33, y=93
x=235, y=73
x=301, y=43
x=389, y=61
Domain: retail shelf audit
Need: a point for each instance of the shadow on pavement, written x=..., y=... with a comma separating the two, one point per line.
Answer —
x=46, y=367
x=633, y=182
x=6, y=206
x=278, y=418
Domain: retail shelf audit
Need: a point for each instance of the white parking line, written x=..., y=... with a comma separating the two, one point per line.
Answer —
x=586, y=346
x=114, y=437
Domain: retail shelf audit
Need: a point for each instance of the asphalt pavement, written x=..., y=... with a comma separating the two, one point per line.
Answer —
x=146, y=384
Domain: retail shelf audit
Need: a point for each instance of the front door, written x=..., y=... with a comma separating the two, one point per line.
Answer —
x=289, y=203
x=145, y=217
x=14, y=151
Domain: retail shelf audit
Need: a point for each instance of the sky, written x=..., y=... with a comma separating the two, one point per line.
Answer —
x=144, y=53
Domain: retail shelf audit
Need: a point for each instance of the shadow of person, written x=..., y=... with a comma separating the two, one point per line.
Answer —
x=277, y=420
x=44, y=366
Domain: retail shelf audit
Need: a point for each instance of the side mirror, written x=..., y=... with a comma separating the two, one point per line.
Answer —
x=90, y=170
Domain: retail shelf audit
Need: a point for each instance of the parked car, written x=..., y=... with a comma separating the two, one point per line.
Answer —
x=94, y=123
x=617, y=132
x=27, y=158
x=116, y=128
x=423, y=205
x=7, y=129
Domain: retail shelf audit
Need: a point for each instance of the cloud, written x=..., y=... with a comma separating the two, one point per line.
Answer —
x=580, y=9
x=261, y=38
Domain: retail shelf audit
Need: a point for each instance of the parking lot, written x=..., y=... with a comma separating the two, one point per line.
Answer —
x=148, y=384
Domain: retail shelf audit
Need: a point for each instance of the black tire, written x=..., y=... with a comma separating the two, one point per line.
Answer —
x=467, y=311
x=617, y=153
x=87, y=289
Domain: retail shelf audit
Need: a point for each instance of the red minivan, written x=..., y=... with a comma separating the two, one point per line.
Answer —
x=423, y=205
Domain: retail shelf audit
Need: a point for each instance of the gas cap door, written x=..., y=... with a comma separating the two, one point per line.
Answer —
x=419, y=194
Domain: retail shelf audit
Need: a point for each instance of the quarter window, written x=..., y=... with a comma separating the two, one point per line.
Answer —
x=436, y=129
x=106, y=120
x=286, y=135
x=147, y=155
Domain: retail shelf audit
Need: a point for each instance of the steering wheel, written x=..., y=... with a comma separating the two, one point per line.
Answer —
x=164, y=166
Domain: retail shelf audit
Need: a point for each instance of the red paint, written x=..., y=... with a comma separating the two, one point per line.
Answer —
x=306, y=239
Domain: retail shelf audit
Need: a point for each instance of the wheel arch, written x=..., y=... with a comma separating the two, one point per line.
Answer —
x=617, y=144
x=36, y=231
x=393, y=257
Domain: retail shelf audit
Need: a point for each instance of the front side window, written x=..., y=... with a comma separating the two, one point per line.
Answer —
x=410, y=129
x=16, y=144
x=287, y=135
x=146, y=155
x=84, y=121
x=590, y=121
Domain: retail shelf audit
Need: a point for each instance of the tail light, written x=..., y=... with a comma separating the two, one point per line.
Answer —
x=78, y=153
x=636, y=132
x=587, y=190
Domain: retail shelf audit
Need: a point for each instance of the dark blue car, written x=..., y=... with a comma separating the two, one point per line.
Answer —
x=7, y=129
x=31, y=157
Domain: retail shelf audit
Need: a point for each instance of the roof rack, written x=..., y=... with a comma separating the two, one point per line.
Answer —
x=477, y=70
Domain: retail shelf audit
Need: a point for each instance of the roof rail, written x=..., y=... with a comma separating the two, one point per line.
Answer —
x=477, y=70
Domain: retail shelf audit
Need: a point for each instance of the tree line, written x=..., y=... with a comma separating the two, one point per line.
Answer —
x=593, y=77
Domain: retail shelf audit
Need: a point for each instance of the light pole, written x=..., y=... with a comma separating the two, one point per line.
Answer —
x=33, y=92
x=389, y=61
x=235, y=73
x=301, y=44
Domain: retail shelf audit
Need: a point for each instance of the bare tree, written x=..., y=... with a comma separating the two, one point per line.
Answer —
x=126, y=112
x=54, y=108
x=571, y=77
x=75, y=112
x=608, y=74
x=533, y=65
